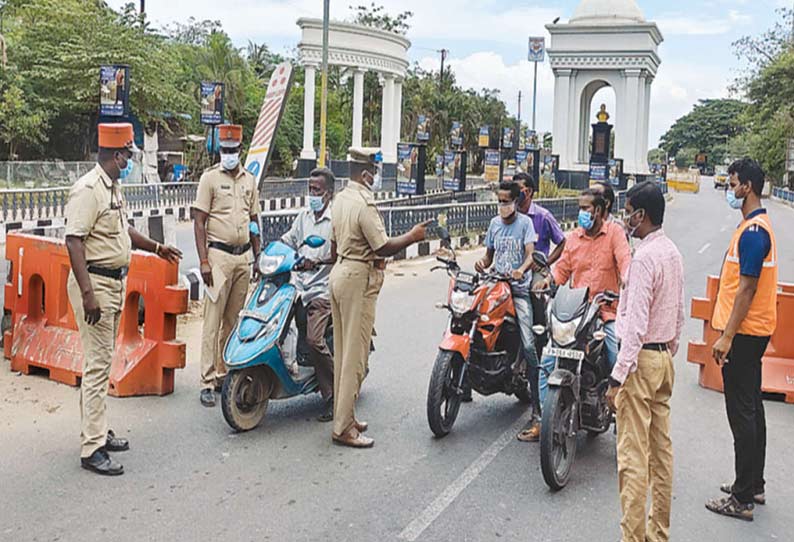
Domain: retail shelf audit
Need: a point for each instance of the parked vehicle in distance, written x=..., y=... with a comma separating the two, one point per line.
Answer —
x=721, y=177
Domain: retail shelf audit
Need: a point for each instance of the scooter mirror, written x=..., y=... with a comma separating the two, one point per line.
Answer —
x=314, y=241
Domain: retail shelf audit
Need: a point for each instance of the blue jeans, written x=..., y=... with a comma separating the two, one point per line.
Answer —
x=548, y=362
x=524, y=315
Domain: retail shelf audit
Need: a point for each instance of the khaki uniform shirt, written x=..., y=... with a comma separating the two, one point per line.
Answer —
x=96, y=213
x=229, y=200
x=358, y=228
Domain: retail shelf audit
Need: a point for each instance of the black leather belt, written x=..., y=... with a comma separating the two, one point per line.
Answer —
x=658, y=347
x=117, y=274
x=230, y=249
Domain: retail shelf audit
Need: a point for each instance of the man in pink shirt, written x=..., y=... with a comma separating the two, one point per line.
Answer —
x=649, y=322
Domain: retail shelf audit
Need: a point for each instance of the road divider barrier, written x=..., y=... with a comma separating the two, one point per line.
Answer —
x=688, y=181
x=44, y=336
x=778, y=365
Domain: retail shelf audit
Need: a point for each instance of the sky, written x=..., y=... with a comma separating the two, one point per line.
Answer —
x=487, y=40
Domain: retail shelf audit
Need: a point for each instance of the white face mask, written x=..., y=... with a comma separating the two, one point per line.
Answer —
x=230, y=161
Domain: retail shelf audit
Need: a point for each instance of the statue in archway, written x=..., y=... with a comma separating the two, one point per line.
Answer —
x=602, y=114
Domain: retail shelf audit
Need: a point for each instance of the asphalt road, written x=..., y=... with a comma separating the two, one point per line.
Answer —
x=190, y=478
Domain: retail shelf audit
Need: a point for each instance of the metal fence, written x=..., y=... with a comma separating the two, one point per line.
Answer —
x=783, y=194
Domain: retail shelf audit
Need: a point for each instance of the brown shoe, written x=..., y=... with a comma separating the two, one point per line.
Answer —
x=530, y=435
x=759, y=498
x=354, y=439
x=361, y=426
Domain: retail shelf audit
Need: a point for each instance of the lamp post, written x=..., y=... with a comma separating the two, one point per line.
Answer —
x=324, y=85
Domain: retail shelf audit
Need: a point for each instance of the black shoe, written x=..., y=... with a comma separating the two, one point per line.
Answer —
x=328, y=411
x=101, y=463
x=208, y=397
x=116, y=444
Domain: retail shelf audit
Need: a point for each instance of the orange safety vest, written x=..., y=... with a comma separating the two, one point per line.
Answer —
x=761, y=319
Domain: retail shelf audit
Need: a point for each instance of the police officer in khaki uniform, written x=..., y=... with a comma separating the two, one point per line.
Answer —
x=226, y=223
x=359, y=245
x=99, y=241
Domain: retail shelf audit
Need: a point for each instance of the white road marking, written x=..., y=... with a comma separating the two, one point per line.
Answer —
x=704, y=248
x=437, y=507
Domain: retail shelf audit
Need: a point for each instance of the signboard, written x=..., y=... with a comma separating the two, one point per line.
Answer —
x=537, y=49
x=484, y=137
x=615, y=171
x=212, y=96
x=411, y=169
x=454, y=171
x=439, y=166
x=492, y=160
x=533, y=141
x=598, y=172
x=522, y=161
x=701, y=158
x=114, y=91
x=269, y=119
x=507, y=138
x=456, y=134
x=423, y=128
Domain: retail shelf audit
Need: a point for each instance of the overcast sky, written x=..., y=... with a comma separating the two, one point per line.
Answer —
x=488, y=41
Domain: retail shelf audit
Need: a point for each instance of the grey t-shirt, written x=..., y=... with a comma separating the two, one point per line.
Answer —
x=508, y=242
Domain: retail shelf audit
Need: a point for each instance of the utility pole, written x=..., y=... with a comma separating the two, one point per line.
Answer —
x=534, y=96
x=519, y=108
x=143, y=7
x=444, y=53
x=324, y=84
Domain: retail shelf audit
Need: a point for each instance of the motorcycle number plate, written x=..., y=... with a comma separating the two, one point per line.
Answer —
x=578, y=355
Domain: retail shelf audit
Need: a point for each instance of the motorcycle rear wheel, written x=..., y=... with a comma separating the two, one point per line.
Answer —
x=557, y=446
x=245, y=397
x=443, y=401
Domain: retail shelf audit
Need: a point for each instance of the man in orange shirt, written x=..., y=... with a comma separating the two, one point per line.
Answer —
x=596, y=255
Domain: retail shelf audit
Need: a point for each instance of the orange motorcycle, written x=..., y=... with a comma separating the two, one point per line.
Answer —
x=481, y=349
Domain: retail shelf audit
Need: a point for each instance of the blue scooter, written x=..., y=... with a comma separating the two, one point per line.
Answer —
x=257, y=347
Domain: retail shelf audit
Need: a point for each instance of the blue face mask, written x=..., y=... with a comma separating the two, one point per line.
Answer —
x=316, y=203
x=586, y=219
x=733, y=201
x=124, y=173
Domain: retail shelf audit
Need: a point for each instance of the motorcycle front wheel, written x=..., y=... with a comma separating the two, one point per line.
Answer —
x=245, y=396
x=557, y=443
x=443, y=401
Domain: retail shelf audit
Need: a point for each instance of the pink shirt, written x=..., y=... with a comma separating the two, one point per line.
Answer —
x=651, y=308
x=599, y=262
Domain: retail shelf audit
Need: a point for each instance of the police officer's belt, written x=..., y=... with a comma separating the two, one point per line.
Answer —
x=377, y=264
x=231, y=249
x=117, y=274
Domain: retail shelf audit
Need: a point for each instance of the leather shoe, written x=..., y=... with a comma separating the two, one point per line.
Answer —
x=208, y=397
x=328, y=411
x=101, y=463
x=116, y=444
x=353, y=439
x=361, y=426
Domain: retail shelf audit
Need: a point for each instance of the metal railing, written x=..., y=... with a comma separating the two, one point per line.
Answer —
x=783, y=194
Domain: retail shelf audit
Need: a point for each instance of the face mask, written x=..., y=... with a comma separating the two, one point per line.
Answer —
x=316, y=203
x=125, y=172
x=586, y=219
x=733, y=201
x=230, y=161
x=627, y=223
x=506, y=210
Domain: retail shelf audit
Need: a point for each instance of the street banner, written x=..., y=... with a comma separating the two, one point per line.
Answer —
x=114, y=91
x=598, y=172
x=615, y=171
x=423, y=128
x=456, y=134
x=439, y=166
x=269, y=119
x=212, y=96
x=492, y=159
x=537, y=49
x=411, y=169
x=533, y=143
x=454, y=170
x=484, y=139
x=507, y=138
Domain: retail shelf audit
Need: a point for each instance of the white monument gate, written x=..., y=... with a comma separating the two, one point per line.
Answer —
x=605, y=43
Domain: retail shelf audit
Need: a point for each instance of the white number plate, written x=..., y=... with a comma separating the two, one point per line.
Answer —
x=578, y=355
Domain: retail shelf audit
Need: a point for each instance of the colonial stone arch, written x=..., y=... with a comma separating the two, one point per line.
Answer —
x=605, y=43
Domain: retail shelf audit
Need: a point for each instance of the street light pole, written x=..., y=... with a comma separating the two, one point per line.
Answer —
x=324, y=84
x=534, y=96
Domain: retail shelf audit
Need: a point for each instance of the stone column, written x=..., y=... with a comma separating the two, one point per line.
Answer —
x=387, y=120
x=647, y=123
x=629, y=118
x=640, y=148
x=562, y=87
x=358, y=106
x=308, y=114
x=398, y=111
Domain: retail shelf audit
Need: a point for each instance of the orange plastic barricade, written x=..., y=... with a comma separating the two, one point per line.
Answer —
x=778, y=366
x=44, y=335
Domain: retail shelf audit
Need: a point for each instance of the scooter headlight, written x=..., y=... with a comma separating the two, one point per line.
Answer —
x=461, y=302
x=564, y=333
x=269, y=264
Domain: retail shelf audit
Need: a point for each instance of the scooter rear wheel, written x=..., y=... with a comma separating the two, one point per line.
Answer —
x=245, y=397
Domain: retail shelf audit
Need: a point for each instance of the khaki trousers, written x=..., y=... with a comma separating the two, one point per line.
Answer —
x=220, y=316
x=318, y=314
x=99, y=343
x=354, y=294
x=645, y=451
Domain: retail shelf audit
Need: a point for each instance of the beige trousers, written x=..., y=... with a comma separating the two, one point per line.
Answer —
x=220, y=315
x=354, y=294
x=99, y=343
x=645, y=451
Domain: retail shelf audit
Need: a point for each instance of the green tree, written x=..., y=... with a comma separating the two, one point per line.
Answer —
x=19, y=123
x=375, y=16
x=709, y=124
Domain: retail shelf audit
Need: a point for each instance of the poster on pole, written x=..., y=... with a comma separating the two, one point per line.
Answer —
x=537, y=49
x=212, y=96
x=269, y=118
x=484, y=137
x=507, y=138
x=114, y=90
x=456, y=134
x=492, y=159
x=423, y=128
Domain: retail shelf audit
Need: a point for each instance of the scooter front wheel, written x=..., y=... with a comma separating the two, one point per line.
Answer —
x=443, y=400
x=245, y=396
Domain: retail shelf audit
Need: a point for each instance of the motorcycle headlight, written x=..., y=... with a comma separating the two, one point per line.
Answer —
x=269, y=264
x=460, y=302
x=564, y=333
